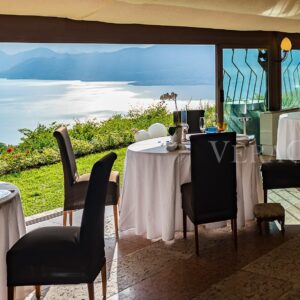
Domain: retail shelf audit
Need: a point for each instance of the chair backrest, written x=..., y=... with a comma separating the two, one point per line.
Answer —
x=213, y=174
x=193, y=119
x=67, y=156
x=92, y=223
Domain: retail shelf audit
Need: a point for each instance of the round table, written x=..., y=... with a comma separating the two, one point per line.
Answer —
x=12, y=227
x=288, y=136
x=151, y=197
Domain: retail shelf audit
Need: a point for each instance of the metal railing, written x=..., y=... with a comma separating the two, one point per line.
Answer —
x=245, y=88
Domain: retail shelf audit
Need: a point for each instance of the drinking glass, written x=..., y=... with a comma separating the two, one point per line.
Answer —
x=202, y=124
x=184, y=116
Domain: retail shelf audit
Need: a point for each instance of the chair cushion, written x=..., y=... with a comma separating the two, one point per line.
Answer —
x=268, y=211
x=49, y=255
x=281, y=174
x=194, y=211
x=113, y=190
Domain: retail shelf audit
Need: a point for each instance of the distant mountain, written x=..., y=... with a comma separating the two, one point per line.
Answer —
x=8, y=61
x=156, y=65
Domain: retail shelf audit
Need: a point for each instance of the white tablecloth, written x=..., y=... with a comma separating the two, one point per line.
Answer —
x=288, y=136
x=151, y=197
x=12, y=227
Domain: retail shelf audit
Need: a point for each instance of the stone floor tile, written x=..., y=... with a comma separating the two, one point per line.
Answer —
x=246, y=285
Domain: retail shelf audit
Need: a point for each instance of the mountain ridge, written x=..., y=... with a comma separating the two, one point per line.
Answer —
x=154, y=65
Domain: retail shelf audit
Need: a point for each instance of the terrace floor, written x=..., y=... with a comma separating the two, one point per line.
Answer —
x=265, y=266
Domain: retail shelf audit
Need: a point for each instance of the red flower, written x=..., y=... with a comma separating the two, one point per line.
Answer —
x=10, y=150
x=16, y=156
x=27, y=151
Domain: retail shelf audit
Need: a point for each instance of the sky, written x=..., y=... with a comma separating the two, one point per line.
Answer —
x=13, y=48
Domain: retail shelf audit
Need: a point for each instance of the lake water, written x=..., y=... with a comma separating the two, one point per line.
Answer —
x=25, y=103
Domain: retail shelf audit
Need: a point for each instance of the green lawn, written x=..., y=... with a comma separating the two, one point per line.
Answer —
x=42, y=189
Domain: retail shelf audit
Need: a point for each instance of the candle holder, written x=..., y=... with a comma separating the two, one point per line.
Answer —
x=244, y=120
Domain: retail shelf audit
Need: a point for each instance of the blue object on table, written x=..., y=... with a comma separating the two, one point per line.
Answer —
x=211, y=129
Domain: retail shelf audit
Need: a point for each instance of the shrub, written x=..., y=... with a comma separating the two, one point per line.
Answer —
x=38, y=147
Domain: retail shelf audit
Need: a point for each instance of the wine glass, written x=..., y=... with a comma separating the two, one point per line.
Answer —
x=202, y=124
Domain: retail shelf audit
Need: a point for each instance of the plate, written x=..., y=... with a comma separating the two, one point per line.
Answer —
x=4, y=193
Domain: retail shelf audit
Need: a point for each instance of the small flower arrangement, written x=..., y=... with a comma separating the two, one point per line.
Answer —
x=168, y=97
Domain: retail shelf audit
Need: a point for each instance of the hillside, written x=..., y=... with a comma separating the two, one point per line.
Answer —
x=155, y=65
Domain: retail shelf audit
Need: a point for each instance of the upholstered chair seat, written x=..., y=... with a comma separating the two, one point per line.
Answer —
x=45, y=250
x=281, y=174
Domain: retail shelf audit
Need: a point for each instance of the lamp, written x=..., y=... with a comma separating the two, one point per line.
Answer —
x=286, y=47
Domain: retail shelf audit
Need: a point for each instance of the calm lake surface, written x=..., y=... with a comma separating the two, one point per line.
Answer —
x=25, y=103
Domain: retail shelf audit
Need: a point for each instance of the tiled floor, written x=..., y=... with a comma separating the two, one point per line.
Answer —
x=142, y=269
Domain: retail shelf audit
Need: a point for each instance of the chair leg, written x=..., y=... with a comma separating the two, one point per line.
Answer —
x=196, y=240
x=38, y=291
x=116, y=219
x=234, y=223
x=65, y=218
x=184, y=224
x=71, y=217
x=265, y=196
x=10, y=293
x=104, y=280
x=91, y=291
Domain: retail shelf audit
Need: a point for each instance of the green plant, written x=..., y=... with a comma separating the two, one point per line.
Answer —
x=38, y=147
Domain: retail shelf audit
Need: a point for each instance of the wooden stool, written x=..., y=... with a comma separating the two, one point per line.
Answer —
x=269, y=212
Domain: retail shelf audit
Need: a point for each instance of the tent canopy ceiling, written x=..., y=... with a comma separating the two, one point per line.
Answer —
x=267, y=15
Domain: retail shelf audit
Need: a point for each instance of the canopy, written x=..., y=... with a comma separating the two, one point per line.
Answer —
x=268, y=15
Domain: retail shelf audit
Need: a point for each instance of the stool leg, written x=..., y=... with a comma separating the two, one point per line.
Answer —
x=282, y=224
x=259, y=225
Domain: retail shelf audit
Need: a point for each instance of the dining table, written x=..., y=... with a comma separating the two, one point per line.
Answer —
x=12, y=228
x=288, y=136
x=151, y=196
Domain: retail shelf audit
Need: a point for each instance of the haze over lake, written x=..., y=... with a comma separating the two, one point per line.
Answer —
x=25, y=103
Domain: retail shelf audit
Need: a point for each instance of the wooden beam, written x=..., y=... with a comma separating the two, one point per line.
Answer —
x=32, y=29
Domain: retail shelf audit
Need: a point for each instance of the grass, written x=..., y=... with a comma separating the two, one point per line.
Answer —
x=42, y=189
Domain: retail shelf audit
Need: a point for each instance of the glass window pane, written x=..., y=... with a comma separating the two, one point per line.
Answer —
x=290, y=80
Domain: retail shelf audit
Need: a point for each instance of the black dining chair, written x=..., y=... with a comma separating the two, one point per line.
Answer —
x=280, y=174
x=211, y=195
x=75, y=185
x=65, y=255
x=193, y=119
